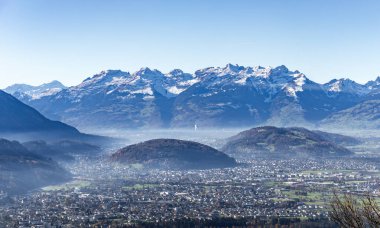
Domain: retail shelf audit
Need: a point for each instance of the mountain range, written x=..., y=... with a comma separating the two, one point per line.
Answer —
x=230, y=96
x=22, y=170
x=35, y=92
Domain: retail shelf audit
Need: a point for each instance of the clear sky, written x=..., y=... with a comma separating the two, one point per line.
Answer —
x=69, y=40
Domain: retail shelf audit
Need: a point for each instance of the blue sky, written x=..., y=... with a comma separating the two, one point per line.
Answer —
x=43, y=40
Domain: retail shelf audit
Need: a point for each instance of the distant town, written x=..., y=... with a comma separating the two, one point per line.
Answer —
x=189, y=114
x=256, y=192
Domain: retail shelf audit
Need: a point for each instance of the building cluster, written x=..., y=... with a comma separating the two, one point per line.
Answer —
x=256, y=190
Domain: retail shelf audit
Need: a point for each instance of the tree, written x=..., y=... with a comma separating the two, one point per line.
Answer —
x=354, y=212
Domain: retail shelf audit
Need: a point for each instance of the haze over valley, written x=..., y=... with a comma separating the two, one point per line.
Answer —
x=200, y=147
x=153, y=113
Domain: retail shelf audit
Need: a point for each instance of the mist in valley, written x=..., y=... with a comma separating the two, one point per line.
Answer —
x=97, y=164
x=268, y=181
x=133, y=115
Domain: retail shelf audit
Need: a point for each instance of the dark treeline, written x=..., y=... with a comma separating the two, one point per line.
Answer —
x=228, y=222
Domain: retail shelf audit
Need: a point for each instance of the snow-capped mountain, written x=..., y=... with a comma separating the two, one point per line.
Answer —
x=345, y=85
x=236, y=95
x=35, y=92
x=372, y=85
x=216, y=96
x=117, y=98
x=144, y=82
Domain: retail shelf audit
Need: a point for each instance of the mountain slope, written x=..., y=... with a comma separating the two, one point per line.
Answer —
x=230, y=96
x=373, y=85
x=17, y=117
x=62, y=150
x=173, y=154
x=237, y=96
x=342, y=140
x=365, y=115
x=22, y=170
x=118, y=99
x=21, y=122
x=282, y=143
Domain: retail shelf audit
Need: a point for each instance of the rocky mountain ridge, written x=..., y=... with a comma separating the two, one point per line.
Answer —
x=229, y=96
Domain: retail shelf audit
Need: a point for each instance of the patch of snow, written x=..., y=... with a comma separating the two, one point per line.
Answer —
x=241, y=81
x=295, y=86
x=175, y=90
x=299, y=81
x=119, y=81
x=347, y=86
x=38, y=95
x=146, y=98
x=146, y=90
x=335, y=87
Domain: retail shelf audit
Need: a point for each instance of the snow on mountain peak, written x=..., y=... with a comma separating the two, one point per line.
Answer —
x=233, y=68
x=36, y=92
x=281, y=75
x=280, y=70
x=278, y=76
x=335, y=85
x=345, y=85
x=300, y=79
x=265, y=79
x=175, y=73
x=104, y=77
x=144, y=81
x=291, y=88
x=145, y=71
x=373, y=84
x=53, y=84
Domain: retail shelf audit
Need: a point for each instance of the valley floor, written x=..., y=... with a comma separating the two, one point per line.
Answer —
x=257, y=191
x=265, y=191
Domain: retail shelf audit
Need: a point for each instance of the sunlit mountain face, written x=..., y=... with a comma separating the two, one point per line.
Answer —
x=124, y=114
x=230, y=96
x=178, y=148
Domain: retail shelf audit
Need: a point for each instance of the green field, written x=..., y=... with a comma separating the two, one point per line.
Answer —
x=137, y=166
x=312, y=197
